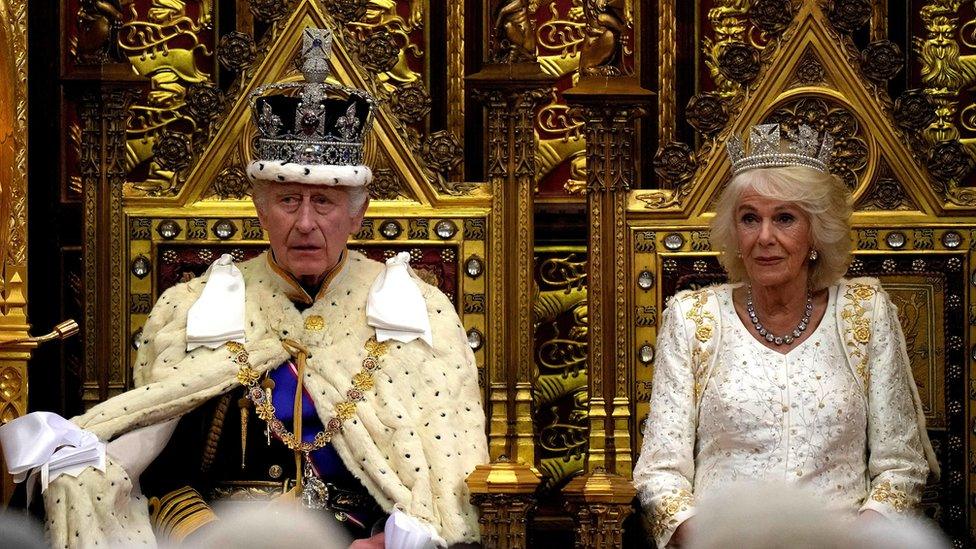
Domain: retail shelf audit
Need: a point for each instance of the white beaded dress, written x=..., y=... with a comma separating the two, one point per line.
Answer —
x=799, y=417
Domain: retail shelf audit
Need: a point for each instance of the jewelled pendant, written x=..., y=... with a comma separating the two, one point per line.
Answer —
x=315, y=495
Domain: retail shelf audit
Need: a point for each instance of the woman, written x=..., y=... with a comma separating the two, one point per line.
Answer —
x=788, y=373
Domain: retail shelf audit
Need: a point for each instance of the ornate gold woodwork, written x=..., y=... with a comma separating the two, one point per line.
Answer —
x=560, y=318
x=667, y=25
x=943, y=73
x=455, y=77
x=510, y=95
x=103, y=115
x=610, y=110
x=505, y=495
x=599, y=503
x=728, y=22
x=13, y=216
x=600, y=499
x=858, y=115
x=168, y=48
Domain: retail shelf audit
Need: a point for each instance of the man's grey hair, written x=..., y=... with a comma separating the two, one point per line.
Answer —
x=821, y=196
x=259, y=195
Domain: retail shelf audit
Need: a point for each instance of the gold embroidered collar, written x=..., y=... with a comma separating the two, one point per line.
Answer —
x=294, y=289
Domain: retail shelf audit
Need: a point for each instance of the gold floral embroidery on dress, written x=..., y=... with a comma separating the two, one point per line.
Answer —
x=704, y=330
x=885, y=493
x=671, y=504
x=857, y=327
x=704, y=321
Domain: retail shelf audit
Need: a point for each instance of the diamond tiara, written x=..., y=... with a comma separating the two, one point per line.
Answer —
x=804, y=148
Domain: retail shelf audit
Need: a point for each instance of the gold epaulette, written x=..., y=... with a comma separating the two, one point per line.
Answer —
x=179, y=513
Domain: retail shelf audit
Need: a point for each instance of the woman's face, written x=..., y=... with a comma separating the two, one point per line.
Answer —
x=774, y=239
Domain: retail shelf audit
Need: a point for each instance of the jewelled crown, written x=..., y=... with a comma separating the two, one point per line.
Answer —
x=311, y=132
x=767, y=150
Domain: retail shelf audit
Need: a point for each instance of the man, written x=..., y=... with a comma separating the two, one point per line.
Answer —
x=309, y=373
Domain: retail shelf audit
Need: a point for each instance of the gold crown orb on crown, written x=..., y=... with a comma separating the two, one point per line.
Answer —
x=766, y=149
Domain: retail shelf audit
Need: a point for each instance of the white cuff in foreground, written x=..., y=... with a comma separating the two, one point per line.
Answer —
x=48, y=444
x=406, y=532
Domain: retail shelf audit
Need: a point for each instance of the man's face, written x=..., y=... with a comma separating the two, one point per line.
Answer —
x=308, y=226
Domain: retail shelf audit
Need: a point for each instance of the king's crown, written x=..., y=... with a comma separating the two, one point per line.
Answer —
x=311, y=122
x=767, y=150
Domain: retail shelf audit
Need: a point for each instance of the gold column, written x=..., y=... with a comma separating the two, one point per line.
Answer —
x=601, y=498
x=510, y=87
x=510, y=103
x=504, y=493
x=599, y=502
x=13, y=217
x=102, y=165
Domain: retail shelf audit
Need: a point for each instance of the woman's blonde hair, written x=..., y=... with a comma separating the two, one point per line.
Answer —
x=822, y=196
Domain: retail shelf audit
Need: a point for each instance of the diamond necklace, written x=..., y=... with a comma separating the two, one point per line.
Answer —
x=774, y=339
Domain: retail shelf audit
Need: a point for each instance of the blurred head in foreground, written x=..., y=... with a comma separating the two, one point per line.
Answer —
x=250, y=525
x=763, y=515
x=20, y=531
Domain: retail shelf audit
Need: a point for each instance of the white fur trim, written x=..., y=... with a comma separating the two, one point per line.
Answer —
x=276, y=171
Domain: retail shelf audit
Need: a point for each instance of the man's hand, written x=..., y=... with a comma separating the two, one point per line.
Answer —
x=376, y=542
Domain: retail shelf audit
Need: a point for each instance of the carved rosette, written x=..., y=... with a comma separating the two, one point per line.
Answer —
x=772, y=16
x=881, y=60
x=269, y=10
x=849, y=159
x=914, y=110
x=810, y=71
x=949, y=162
x=347, y=11
x=442, y=151
x=231, y=182
x=708, y=113
x=172, y=151
x=385, y=185
x=739, y=62
x=887, y=194
x=236, y=51
x=204, y=102
x=379, y=51
x=411, y=102
x=847, y=16
x=675, y=163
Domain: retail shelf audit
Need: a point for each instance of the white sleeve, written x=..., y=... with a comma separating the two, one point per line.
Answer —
x=897, y=464
x=665, y=469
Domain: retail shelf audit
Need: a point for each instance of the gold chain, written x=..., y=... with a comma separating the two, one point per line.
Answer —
x=361, y=382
